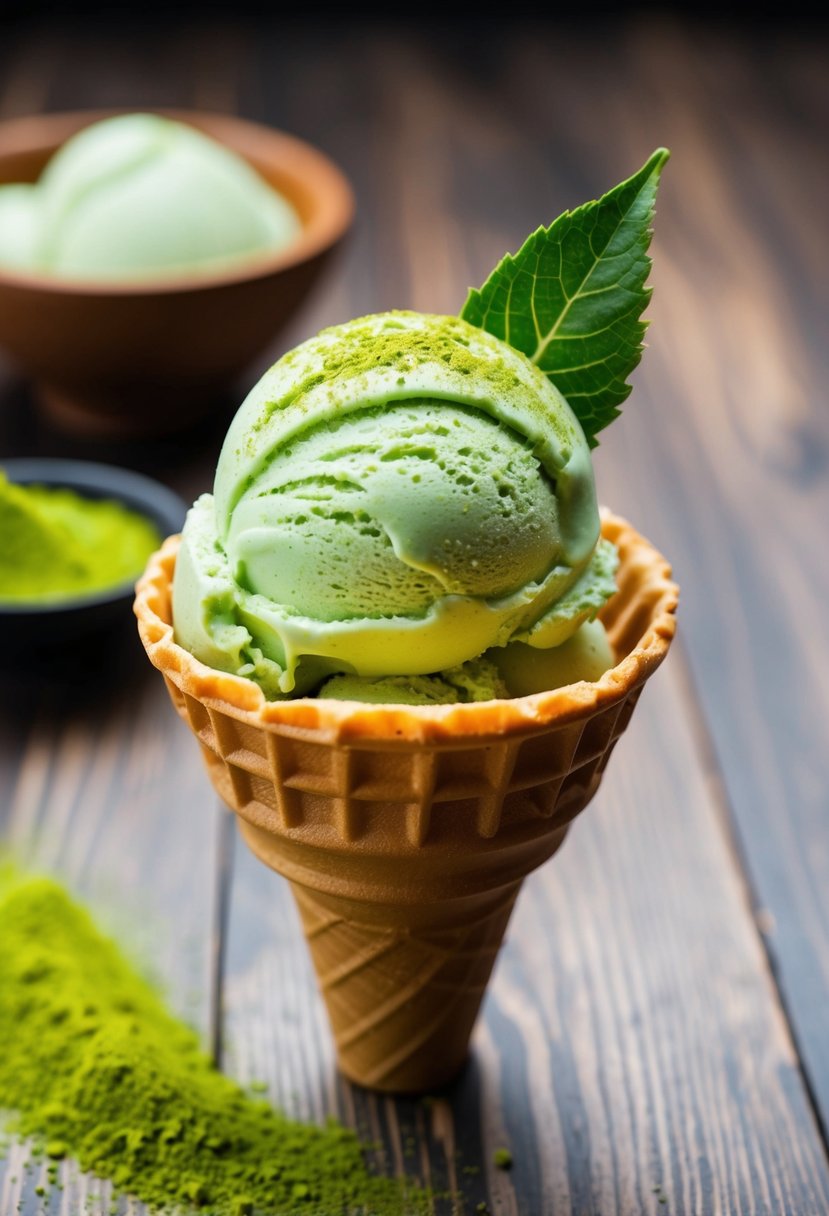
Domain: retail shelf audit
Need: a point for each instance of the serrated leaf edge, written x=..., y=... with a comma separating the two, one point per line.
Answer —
x=654, y=166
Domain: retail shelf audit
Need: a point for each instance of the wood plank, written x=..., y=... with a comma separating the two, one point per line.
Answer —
x=97, y=784
x=733, y=481
x=110, y=797
x=736, y=482
x=632, y=1047
x=631, y=1039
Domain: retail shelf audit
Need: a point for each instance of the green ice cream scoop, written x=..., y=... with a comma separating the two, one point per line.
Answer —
x=395, y=496
x=140, y=196
x=421, y=498
x=19, y=226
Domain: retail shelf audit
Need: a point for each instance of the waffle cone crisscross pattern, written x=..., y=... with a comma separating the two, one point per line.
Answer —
x=406, y=831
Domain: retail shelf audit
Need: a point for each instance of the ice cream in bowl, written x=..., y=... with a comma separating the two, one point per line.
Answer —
x=405, y=636
x=146, y=259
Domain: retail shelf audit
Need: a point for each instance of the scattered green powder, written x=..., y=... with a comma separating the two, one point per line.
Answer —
x=58, y=544
x=94, y=1067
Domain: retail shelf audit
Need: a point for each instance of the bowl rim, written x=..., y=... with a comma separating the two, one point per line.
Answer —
x=124, y=485
x=331, y=189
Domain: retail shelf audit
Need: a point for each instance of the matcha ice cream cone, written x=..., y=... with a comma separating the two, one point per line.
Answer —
x=406, y=831
x=402, y=634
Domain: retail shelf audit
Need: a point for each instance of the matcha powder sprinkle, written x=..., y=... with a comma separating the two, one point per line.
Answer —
x=93, y=1062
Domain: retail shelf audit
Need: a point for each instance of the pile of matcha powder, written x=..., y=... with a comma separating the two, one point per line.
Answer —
x=94, y=1067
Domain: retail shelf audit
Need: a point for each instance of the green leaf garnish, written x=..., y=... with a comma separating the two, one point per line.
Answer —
x=571, y=299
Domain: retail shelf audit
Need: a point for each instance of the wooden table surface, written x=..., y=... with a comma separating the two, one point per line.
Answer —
x=656, y=1036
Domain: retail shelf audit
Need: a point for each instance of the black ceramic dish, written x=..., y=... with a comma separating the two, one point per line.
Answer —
x=34, y=632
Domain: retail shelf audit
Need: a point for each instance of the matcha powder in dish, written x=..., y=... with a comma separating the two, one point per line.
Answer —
x=58, y=545
x=94, y=1067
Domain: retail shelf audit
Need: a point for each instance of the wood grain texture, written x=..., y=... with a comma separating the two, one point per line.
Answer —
x=634, y=1047
x=727, y=449
x=97, y=786
x=631, y=1039
x=646, y=1041
x=107, y=796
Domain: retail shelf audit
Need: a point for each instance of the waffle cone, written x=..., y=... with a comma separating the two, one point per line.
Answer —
x=406, y=832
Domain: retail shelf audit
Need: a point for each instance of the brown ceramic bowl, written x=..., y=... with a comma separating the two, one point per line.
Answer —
x=146, y=358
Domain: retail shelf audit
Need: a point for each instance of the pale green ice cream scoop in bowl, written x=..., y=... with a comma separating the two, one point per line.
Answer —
x=402, y=632
x=138, y=197
x=147, y=259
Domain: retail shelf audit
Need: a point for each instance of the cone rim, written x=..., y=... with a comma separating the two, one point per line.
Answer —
x=396, y=725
